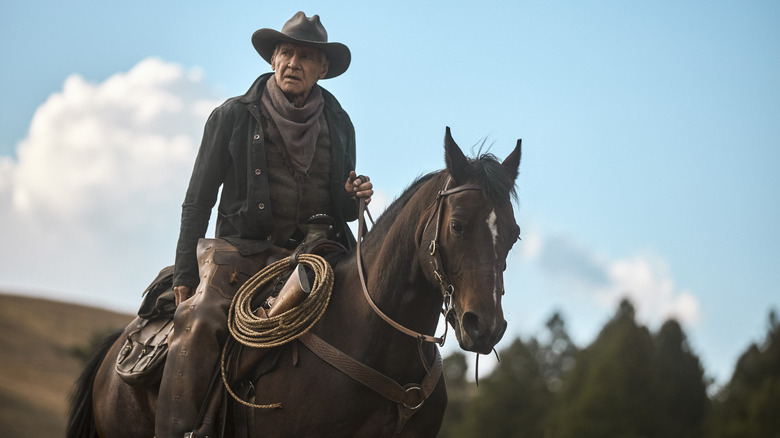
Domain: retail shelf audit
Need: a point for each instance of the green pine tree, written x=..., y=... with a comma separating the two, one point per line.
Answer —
x=459, y=393
x=513, y=401
x=557, y=352
x=611, y=390
x=749, y=405
x=682, y=389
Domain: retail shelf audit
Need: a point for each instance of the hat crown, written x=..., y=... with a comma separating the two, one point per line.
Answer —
x=305, y=28
x=301, y=29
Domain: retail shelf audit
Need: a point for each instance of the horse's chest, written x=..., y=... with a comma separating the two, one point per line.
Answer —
x=320, y=401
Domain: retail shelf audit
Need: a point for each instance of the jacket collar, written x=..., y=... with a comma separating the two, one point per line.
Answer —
x=255, y=90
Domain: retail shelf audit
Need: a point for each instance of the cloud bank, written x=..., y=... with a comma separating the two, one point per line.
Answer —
x=90, y=207
x=644, y=278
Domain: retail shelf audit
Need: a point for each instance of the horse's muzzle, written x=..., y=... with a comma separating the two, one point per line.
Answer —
x=475, y=335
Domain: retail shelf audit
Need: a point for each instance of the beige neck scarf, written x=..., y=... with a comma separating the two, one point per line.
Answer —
x=299, y=127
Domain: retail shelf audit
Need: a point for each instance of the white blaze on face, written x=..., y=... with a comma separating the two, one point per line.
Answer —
x=493, y=227
x=491, y=223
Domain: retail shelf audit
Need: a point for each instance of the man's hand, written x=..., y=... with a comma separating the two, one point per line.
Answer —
x=359, y=186
x=182, y=293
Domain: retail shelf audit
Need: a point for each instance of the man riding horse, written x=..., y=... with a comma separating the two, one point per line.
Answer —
x=282, y=153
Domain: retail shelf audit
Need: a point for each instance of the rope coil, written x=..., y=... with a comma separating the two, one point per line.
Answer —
x=253, y=331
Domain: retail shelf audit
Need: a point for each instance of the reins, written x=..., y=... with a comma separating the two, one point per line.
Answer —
x=254, y=331
x=438, y=266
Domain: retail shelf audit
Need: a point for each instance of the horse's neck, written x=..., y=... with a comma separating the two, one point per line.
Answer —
x=396, y=284
x=394, y=272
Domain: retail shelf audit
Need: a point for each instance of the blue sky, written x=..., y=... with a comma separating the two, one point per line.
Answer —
x=650, y=132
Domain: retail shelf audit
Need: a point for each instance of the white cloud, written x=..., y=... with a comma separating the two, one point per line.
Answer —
x=92, y=147
x=645, y=279
x=647, y=282
x=531, y=245
x=99, y=180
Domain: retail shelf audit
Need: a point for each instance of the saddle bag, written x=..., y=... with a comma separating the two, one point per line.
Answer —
x=141, y=359
x=142, y=356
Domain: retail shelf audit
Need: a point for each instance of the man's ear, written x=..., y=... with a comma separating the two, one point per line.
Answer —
x=325, y=67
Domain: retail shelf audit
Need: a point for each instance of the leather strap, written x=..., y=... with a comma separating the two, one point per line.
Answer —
x=433, y=247
x=377, y=310
x=410, y=396
x=438, y=268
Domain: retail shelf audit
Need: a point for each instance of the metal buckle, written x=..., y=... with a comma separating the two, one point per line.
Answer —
x=422, y=398
x=447, y=293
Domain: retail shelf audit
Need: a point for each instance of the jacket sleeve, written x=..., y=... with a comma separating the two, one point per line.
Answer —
x=349, y=208
x=208, y=174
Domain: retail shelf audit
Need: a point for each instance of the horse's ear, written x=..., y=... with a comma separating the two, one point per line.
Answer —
x=457, y=163
x=512, y=162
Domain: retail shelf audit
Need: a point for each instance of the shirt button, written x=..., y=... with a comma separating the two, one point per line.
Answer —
x=257, y=137
x=258, y=171
x=261, y=206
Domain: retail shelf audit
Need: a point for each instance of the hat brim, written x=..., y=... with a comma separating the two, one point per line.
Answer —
x=265, y=41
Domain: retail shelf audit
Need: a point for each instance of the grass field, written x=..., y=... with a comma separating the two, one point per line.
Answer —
x=41, y=348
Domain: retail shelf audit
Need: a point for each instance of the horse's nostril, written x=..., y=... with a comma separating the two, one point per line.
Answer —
x=473, y=326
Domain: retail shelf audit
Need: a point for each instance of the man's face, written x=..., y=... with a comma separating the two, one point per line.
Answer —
x=297, y=68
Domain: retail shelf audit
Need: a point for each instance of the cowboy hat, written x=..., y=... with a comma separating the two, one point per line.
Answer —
x=301, y=29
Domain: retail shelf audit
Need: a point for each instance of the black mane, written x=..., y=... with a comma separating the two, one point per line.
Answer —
x=394, y=209
x=497, y=184
x=485, y=170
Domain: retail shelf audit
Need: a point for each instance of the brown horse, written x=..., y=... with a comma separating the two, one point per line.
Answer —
x=440, y=247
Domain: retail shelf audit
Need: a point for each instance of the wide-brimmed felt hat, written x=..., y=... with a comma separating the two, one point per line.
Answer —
x=301, y=29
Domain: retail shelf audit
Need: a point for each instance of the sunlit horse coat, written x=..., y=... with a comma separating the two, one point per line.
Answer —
x=232, y=155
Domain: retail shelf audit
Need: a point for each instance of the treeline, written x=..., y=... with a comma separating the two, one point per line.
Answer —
x=628, y=382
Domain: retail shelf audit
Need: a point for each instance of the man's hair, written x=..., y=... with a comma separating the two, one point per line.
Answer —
x=323, y=56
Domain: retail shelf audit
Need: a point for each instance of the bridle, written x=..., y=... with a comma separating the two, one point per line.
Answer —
x=433, y=373
x=447, y=288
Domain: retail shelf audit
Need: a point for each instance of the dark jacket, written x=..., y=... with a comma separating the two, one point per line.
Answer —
x=232, y=155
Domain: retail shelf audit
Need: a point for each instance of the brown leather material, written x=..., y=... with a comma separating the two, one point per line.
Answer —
x=438, y=269
x=146, y=344
x=411, y=396
x=201, y=330
x=294, y=291
x=223, y=268
x=158, y=297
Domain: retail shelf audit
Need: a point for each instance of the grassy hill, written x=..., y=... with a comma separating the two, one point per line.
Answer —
x=40, y=343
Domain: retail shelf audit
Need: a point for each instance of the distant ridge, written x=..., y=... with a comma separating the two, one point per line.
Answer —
x=38, y=338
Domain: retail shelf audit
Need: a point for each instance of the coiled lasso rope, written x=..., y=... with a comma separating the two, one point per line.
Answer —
x=256, y=332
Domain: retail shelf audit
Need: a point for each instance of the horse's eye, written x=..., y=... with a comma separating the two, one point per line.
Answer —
x=457, y=227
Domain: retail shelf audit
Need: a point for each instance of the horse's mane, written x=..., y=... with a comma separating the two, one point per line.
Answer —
x=497, y=184
x=485, y=170
x=387, y=218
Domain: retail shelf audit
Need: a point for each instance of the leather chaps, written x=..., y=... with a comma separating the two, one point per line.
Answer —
x=200, y=331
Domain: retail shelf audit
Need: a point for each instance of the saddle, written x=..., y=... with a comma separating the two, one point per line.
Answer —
x=143, y=354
